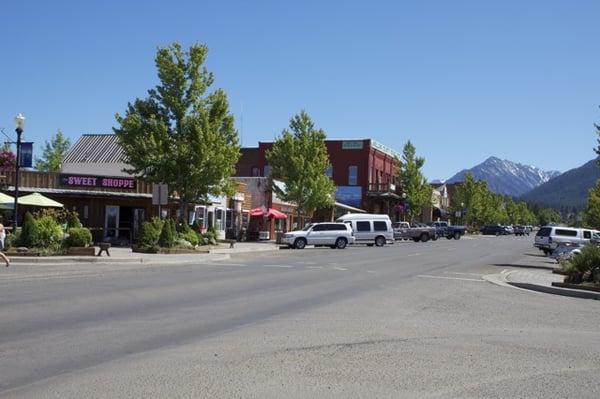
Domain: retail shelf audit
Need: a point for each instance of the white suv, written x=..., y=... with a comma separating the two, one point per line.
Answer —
x=550, y=237
x=334, y=235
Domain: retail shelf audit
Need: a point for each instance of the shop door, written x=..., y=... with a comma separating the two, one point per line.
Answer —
x=111, y=222
x=139, y=214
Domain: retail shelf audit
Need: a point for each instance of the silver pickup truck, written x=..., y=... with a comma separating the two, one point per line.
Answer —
x=417, y=232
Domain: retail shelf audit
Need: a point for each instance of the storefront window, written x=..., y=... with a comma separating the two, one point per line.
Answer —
x=220, y=219
x=352, y=175
x=280, y=224
x=111, y=224
x=201, y=216
x=229, y=219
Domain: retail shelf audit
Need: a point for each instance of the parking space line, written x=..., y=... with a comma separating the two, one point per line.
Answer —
x=227, y=264
x=339, y=268
x=465, y=274
x=452, y=278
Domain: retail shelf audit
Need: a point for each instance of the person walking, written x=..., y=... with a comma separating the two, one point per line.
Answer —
x=2, y=237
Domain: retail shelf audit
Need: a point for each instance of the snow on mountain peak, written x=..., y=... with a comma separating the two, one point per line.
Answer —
x=507, y=177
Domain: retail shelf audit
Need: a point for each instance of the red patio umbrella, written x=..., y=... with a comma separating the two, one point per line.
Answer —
x=271, y=213
x=274, y=213
x=257, y=212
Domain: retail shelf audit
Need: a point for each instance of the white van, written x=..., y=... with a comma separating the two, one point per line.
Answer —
x=370, y=229
x=550, y=237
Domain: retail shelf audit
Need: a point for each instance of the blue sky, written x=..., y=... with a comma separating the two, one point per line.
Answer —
x=463, y=80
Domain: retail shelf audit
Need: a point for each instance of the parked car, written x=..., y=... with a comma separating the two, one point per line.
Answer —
x=370, y=229
x=494, y=229
x=445, y=229
x=521, y=230
x=566, y=251
x=334, y=235
x=418, y=232
x=549, y=238
x=509, y=229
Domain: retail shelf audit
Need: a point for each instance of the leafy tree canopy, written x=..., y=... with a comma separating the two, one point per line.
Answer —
x=54, y=151
x=181, y=134
x=299, y=158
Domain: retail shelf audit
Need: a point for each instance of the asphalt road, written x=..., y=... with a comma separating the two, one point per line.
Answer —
x=408, y=320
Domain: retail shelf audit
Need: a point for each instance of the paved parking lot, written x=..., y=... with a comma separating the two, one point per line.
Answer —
x=412, y=319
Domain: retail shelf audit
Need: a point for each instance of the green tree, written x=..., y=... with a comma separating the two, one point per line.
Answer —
x=414, y=184
x=592, y=210
x=548, y=215
x=54, y=152
x=470, y=199
x=513, y=211
x=299, y=159
x=181, y=134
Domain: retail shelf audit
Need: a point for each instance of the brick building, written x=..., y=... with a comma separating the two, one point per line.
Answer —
x=365, y=172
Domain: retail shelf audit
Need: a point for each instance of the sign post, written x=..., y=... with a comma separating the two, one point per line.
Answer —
x=160, y=196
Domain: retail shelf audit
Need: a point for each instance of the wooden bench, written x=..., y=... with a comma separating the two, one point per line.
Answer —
x=104, y=247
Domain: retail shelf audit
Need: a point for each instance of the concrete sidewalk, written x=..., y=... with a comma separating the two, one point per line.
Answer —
x=126, y=255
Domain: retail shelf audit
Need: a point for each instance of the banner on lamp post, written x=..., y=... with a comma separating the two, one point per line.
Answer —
x=26, y=155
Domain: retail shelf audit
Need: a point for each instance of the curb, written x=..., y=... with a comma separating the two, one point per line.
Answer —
x=109, y=261
x=558, y=291
x=34, y=260
x=500, y=279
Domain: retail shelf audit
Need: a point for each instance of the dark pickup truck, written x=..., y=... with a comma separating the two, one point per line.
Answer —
x=444, y=229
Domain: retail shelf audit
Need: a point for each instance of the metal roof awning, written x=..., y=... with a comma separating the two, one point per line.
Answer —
x=349, y=208
x=82, y=193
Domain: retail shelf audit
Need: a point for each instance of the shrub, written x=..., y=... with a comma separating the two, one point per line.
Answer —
x=212, y=231
x=11, y=240
x=73, y=221
x=166, y=239
x=61, y=215
x=29, y=232
x=588, y=259
x=196, y=226
x=181, y=226
x=190, y=236
x=50, y=233
x=150, y=233
x=78, y=237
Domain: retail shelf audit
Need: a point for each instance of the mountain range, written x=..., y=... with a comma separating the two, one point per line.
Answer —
x=507, y=177
x=570, y=189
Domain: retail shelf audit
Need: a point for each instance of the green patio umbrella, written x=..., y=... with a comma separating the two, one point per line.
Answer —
x=37, y=199
x=6, y=201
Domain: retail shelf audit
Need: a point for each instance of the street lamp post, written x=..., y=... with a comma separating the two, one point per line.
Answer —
x=462, y=213
x=404, y=207
x=19, y=125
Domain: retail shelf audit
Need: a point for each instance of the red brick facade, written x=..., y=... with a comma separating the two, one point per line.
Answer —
x=364, y=171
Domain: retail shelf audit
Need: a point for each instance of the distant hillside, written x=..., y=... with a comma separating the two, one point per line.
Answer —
x=506, y=177
x=569, y=189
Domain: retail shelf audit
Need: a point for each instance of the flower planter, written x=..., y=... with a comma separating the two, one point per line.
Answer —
x=81, y=251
